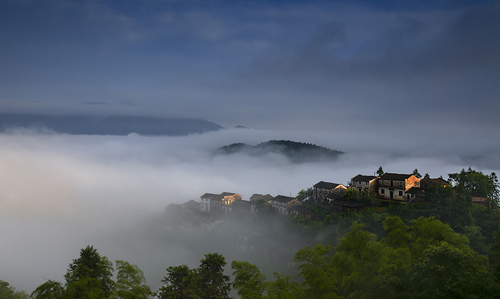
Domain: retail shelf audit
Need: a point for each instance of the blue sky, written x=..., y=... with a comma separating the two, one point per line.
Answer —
x=432, y=65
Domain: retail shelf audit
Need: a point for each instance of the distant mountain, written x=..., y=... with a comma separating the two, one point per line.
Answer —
x=297, y=152
x=106, y=125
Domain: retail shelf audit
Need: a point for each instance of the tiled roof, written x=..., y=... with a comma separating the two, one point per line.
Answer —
x=363, y=178
x=325, y=185
x=395, y=176
x=284, y=199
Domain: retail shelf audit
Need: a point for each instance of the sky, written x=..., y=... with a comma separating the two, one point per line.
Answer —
x=399, y=84
x=326, y=65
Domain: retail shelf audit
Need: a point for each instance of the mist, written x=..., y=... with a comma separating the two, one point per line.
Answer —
x=60, y=193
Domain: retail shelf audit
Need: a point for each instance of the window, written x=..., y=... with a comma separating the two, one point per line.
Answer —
x=382, y=191
x=400, y=193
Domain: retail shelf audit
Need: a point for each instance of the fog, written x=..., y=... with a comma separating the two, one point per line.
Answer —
x=60, y=193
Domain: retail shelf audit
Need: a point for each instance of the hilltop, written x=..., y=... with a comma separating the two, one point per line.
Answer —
x=297, y=152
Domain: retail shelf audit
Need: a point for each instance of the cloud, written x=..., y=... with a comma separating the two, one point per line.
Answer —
x=62, y=192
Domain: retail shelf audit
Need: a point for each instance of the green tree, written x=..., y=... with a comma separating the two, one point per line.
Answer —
x=9, y=292
x=179, y=283
x=305, y=194
x=283, y=288
x=89, y=276
x=213, y=282
x=49, y=290
x=444, y=271
x=130, y=282
x=380, y=171
x=416, y=173
x=427, y=176
x=317, y=271
x=248, y=280
x=477, y=183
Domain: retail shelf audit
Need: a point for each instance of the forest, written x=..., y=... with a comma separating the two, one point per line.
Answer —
x=445, y=247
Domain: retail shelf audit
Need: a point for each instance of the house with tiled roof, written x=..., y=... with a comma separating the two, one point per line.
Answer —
x=210, y=202
x=323, y=190
x=281, y=203
x=361, y=182
x=393, y=186
x=417, y=194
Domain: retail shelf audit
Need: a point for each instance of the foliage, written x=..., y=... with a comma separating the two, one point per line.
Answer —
x=180, y=282
x=380, y=171
x=90, y=275
x=8, y=292
x=445, y=271
x=49, y=290
x=478, y=184
x=305, y=194
x=353, y=194
x=248, y=280
x=206, y=281
x=416, y=173
x=130, y=282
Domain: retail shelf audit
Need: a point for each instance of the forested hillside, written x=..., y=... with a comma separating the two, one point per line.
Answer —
x=297, y=152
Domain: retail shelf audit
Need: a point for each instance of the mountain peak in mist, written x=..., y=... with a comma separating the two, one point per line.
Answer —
x=106, y=125
x=297, y=152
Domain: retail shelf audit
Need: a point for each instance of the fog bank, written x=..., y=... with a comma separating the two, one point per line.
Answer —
x=60, y=193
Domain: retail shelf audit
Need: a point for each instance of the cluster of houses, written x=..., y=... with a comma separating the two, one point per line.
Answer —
x=392, y=187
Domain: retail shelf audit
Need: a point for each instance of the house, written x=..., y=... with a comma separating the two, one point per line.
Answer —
x=417, y=194
x=217, y=202
x=255, y=198
x=360, y=182
x=393, y=186
x=280, y=203
x=322, y=190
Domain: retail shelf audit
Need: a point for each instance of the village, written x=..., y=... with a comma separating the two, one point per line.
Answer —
x=387, y=187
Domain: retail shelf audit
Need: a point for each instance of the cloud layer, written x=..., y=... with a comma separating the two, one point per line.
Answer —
x=62, y=192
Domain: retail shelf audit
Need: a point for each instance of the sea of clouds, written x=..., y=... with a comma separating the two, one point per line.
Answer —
x=59, y=193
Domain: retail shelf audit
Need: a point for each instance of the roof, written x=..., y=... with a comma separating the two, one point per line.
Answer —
x=325, y=185
x=395, y=176
x=363, y=178
x=284, y=199
x=257, y=197
x=227, y=193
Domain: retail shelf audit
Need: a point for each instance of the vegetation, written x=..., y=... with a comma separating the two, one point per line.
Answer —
x=445, y=247
x=90, y=276
x=297, y=152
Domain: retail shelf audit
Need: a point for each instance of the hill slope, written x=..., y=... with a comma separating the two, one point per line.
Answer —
x=297, y=152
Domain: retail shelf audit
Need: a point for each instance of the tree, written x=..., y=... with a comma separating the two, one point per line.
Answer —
x=214, y=284
x=478, y=184
x=305, y=194
x=380, y=171
x=316, y=269
x=90, y=275
x=179, y=283
x=49, y=290
x=8, y=292
x=445, y=271
x=416, y=173
x=427, y=176
x=130, y=282
x=248, y=280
